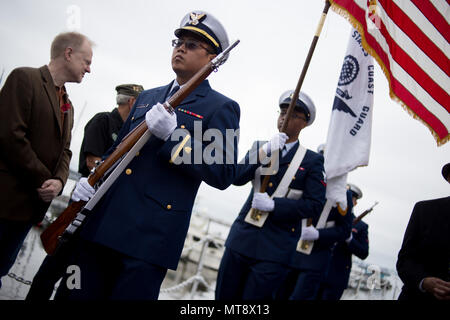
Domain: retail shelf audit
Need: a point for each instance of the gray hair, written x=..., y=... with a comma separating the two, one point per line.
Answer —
x=122, y=98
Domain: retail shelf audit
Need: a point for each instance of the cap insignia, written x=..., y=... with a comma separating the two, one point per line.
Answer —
x=196, y=18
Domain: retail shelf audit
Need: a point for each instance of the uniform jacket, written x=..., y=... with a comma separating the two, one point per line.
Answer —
x=146, y=212
x=320, y=255
x=425, y=250
x=278, y=237
x=100, y=133
x=341, y=259
x=34, y=143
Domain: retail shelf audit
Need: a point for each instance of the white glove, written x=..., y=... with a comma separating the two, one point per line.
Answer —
x=160, y=122
x=83, y=190
x=262, y=201
x=277, y=142
x=349, y=238
x=309, y=233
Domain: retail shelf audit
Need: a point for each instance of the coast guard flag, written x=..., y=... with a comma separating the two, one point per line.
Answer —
x=410, y=41
x=350, y=129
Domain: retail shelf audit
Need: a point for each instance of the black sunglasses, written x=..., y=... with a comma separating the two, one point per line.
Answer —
x=189, y=44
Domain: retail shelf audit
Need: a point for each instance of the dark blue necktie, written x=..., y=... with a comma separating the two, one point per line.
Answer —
x=172, y=92
x=284, y=151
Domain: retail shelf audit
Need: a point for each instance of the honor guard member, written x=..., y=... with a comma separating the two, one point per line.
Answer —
x=36, y=119
x=308, y=269
x=102, y=130
x=137, y=231
x=99, y=135
x=255, y=259
x=424, y=258
x=339, y=268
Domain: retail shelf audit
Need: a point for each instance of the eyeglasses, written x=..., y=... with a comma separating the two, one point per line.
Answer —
x=189, y=44
x=294, y=115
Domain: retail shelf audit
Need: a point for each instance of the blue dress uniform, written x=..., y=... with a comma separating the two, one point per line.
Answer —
x=255, y=260
x=144, y=216
x=341, y=261
x=307, y=271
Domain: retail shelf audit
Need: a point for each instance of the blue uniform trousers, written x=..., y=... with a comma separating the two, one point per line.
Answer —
x=244, y=278
x=300, y=285
x=308, y=284
x=109, y=274
x=330, y=292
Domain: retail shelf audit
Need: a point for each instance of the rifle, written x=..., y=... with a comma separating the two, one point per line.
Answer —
x=61, y=230
x=254, y=213
x=362, y=215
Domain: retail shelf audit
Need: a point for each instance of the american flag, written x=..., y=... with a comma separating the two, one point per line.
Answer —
x=410, y=41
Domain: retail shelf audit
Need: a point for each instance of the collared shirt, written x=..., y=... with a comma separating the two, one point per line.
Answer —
x=63, y=99
x=175, y=84
x=287, y=147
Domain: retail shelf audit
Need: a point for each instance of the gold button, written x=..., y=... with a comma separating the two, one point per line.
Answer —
x=293, y=229
x=132, y=118
x=128, y=171
x=169, y=207
x=270, y=184
x=137, y=153
x=182, y=126
x=293, y=178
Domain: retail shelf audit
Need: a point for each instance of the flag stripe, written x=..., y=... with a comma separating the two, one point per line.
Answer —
x=425, y=103
x=422, y=40
x=436, y=17
x=403, y=82
x=434, y=80
x=380, y=42
x=408, y=99
x=438, y=36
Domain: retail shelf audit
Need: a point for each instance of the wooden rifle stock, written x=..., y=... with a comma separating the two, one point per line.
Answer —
x=50, y=236
x=290, y=109
x=365, y=213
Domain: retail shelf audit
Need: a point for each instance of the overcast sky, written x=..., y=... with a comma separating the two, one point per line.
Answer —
x=133, y=46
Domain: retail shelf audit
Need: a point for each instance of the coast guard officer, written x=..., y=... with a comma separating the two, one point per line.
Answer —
x=255, y=258
x=357, y=243
x=137, y=231
x=308, y=270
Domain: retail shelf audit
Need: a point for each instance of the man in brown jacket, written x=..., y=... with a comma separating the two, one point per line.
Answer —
x=36, y=119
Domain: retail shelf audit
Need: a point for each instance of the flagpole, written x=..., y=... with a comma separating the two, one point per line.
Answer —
x=266, y=179
x=306, y=65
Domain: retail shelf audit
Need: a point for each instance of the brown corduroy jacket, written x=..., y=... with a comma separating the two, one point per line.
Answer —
x=34, y=142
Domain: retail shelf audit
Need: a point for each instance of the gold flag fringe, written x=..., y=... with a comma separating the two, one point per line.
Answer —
x=357, y=25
